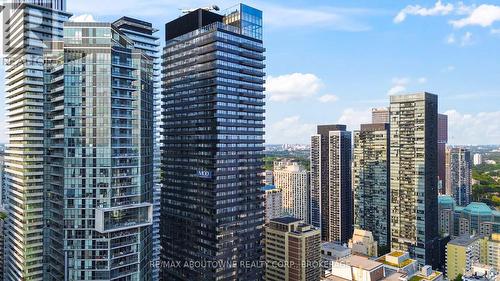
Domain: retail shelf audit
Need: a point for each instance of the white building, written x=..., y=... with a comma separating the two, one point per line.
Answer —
x=293, y=181
x=273, y=202
x=478, y=159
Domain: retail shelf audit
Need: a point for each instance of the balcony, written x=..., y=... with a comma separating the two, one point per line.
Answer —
x=123, y=217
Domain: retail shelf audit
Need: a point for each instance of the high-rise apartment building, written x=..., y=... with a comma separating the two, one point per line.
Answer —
x=292, y=250
x=212, y=202
x=413, y=184
x=273, y=199
x=442, y=127
x=459, y=175
x=331, y=194
x=446, y=213
x=478, y=159
x=143, y=34
x=371, y=167
x=293, y=181
x=493, y=251
x=461, y=253
x=100, y=156
x=28, y=27
x=2, y=179
x=380, y=115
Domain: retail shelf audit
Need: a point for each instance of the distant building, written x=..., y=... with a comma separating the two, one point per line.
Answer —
x=461, y=253
x=446, y=211
x=442, y=127
x=268, y=177
x=380, y=115
x=292, y=250
x=293, y=181
x=273, y=202
x=476, y=218
x=331, y=192
x=478, y=159
x=459, y=175
x=363, y=243
x=371, y=177
x=413, y=192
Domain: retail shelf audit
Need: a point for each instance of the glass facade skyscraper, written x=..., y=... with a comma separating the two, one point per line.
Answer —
x=212, y=203
x=413, y=184
x=100, y=155
x=143, y=34
x=28, y=26
x=371, y=168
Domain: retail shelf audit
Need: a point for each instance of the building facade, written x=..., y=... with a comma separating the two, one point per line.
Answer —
x=380, y=115
x=331, y=194
x=143, y=34
x=414, y=204
x=459, y=175
x=29, y=26
x=273, y=202
x=442, y=126
x=476, y=218
x=292, y=250
x=461, y=254
x=371, y=170
x=293, y=181
x=212, y=202
x=478, y=159
x=100, y=153
x=446, y=212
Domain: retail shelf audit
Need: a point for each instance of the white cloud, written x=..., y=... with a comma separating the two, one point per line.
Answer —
x=399, y=85
x=328, y=98
x=343, y=19
x=417, y=10
x=293, y=86
x=422, y=80
x=466, y=39
x=480, y=128
x=83, y=18
x=290, y=130
x=450, y=39
x=449, y=68
x=354, y=117
x=395, y=90
x=484, y=15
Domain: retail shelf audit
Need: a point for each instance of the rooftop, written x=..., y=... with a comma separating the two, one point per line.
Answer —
x=477, y=208
x=361, y=262
x=445, y=199
x=463, y=240
x=286, y=220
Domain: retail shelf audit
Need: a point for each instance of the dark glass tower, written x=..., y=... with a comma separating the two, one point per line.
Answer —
x=212, y=205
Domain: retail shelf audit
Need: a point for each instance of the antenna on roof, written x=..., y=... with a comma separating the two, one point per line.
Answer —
x=208, y=8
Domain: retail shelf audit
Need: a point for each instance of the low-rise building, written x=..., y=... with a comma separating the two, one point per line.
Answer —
x=481, y=272
x=331, y=252
x=363, y=243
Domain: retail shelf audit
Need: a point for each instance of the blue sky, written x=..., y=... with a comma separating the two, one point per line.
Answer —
x=332, y=61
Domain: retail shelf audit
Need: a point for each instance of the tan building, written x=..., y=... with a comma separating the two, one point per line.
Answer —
x=293, y=181
x=292, y=250
x=363, y=243
x=493, y=257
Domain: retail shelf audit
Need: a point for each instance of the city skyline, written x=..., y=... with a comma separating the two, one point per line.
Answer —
x=331, y=72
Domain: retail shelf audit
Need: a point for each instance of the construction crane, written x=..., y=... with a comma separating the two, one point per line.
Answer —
x=208, y=8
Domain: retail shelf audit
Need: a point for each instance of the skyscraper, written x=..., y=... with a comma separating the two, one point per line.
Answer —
x=413, y=192
x=212, y=203
x=380, y=115
x=293, y=181
x=142, y=33
x=442, y=126
x=459, y=175
x=293, y=250
x=41, y=22
x=371, y=167
x=100, y=156
x=331, y=194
